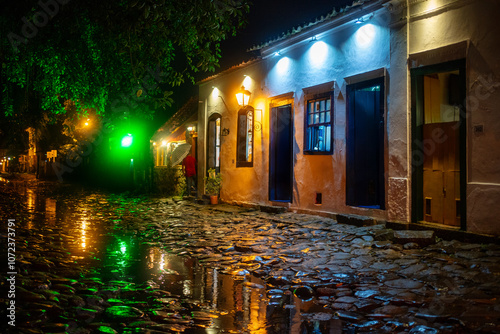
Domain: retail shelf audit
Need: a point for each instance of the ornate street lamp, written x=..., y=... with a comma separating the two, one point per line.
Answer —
x=243, y=96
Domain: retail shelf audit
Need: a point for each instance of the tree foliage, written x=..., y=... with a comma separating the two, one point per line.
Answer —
x=110, y=55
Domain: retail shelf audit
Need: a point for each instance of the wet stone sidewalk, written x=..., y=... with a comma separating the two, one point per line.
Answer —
x=91, y=262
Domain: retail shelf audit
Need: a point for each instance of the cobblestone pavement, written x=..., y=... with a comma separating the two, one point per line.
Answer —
x=91, y=262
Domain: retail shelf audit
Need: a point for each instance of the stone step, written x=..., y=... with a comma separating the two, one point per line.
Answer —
x=273, y=209
x=358, y=221
x=422, y=238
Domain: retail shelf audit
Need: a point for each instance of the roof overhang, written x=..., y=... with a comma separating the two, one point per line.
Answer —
x=327, y=26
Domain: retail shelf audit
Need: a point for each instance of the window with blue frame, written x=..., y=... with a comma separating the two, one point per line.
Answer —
x=319, y=125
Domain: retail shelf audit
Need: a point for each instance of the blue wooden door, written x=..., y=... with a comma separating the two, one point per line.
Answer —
x=280, y=154
x=365, y=144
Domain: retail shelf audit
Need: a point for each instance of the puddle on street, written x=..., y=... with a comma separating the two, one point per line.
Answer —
x=90, y=229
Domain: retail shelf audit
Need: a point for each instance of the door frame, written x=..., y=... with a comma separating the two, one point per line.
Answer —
x=417, y=175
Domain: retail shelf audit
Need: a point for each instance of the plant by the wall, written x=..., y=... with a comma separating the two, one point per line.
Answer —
x=212, y=182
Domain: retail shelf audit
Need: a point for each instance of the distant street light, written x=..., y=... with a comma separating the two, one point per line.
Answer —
x=127, y=140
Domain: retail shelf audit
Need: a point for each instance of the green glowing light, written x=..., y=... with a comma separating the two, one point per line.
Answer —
x=127, y=140
x=123, y=247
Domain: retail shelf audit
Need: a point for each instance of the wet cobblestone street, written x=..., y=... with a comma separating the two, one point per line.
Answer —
x=95, y=262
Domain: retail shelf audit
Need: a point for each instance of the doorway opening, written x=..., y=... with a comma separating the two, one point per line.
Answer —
x=280, y=154
x=365, y=182
x=438, y=144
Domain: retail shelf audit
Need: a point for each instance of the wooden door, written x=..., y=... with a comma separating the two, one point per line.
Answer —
x=440, y=141
x=365, y=144
x=280, y=154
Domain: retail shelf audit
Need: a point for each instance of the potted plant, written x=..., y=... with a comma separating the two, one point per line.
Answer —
x=212, y=185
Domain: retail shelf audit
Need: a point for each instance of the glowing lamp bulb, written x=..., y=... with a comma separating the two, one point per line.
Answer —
x=243, y=96
x=127, y=140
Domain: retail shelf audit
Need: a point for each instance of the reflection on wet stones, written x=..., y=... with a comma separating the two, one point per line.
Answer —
x=305, y=293
x=359, y=275
x=123, y=313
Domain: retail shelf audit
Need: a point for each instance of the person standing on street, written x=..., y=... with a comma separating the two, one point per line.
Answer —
x=189, y=170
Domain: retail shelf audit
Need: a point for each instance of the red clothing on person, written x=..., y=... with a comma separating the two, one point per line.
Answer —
x=189, y=166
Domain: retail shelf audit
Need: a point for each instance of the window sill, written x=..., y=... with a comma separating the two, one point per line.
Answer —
x=244, y=164
x=318, y=152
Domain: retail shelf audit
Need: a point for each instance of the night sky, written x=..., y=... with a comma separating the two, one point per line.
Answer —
x=268, y=19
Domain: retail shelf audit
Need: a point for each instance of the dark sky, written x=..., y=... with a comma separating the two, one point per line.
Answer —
x=268, y=19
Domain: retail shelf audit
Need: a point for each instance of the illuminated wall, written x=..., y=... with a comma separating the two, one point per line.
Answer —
x=331, y=56
x=441, y=31
x=218, y=96
x=335, y=56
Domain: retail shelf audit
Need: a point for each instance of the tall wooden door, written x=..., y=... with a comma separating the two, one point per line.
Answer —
x=438, y=144
x=280, y=154
x=441, y=168
x=365, y=144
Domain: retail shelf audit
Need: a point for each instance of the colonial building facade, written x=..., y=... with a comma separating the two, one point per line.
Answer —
x=386, y=109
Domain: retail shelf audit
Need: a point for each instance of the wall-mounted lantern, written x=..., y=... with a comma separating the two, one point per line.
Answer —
x=191, y=131
x=243, y=96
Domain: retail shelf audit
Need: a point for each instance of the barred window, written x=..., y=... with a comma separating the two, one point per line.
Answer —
x=319, y=125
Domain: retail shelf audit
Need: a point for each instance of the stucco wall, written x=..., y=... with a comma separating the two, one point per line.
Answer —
x=239, y=184
x=437, y=24
x=351, y=50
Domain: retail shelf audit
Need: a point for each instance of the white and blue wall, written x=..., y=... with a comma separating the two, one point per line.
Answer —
x=338, y=52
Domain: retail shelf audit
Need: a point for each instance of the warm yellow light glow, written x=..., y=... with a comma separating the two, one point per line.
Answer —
x=247, y=82
x=162, y=262
x=154, y=143
x=31, y=205
x=86, y=123
x=151, y=263
x=431, y=5
x=50, y=211
x=84, y=233
x=164, y=143
x=190, y=128
x=243, y=96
